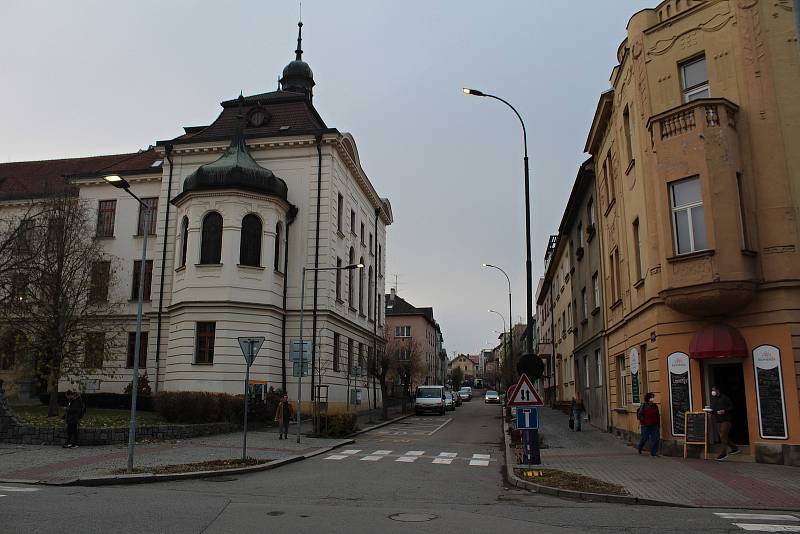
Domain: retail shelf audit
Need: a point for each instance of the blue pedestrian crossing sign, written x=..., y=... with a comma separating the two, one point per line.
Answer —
x=527, y=418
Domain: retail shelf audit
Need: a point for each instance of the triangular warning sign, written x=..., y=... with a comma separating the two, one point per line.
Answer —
x=525, y=394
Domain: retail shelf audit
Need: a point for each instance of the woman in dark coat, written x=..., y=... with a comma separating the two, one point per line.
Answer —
x=72, y=415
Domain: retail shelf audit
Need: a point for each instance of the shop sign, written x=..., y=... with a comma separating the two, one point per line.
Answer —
x=680, y=391
x=634, y=367
x=769, y=392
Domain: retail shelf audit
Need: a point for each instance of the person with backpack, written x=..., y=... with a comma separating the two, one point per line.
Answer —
x=73, y=413
x=649, y=421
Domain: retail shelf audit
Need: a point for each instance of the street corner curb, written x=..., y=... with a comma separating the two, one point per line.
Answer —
x=572, y=494
x=380, y=425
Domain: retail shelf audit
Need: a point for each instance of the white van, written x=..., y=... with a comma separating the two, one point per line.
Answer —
x=429, y=399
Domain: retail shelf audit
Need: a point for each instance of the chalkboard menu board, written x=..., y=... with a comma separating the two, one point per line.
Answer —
x=696, y=427
x=680, y=390
x=769, y=389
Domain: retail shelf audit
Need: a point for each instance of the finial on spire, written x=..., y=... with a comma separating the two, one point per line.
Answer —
x=299, y=51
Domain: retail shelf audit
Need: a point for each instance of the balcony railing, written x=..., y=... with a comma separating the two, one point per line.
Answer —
x=696, y=115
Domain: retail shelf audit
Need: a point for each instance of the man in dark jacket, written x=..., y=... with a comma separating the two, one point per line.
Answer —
x=72, y=415
x=649, y=420
x=722, y=408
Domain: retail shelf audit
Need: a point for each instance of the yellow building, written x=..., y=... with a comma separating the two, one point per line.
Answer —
x=698, y=188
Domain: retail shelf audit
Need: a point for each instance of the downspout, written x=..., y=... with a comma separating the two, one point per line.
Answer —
x=290, y=216
x=318, y=139
x=375, y=311
x=168, y=155
x=553, y=352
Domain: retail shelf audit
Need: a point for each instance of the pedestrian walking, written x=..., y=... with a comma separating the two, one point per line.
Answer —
x=73, y=413
x=576, y=410
x=722, y=408
x=282, y=415
x=649, y=421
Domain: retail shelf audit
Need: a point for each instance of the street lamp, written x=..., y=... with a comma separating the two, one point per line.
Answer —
x=510, y=316
x=122, y=183
x=302, y=313
x=504, y=331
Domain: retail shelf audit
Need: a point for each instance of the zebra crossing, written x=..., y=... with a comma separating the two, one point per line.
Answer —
x=765, y=522
x=410, y=457
x=5, y=491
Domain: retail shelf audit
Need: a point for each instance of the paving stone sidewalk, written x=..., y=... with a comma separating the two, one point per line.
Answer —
x=694, y=482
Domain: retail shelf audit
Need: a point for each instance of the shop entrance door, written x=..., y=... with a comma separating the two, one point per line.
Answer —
x=729, y=378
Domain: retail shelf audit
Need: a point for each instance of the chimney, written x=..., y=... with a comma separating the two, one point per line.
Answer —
x=392, y=295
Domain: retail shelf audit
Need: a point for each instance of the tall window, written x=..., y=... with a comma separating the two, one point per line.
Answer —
x=106, y=212
x=608, y=169
x=350, y=280
x=598, y=361
x=372, y=252
x=277, y=263
x=643, y=369
x=580, y=234
x=380, y=253
x=339, y=209
x=626, y=126
x=380, y=309
x=147, y=216
x=584, y=304
x=101, y=274
x=349, y=356
x=339, y=279
x=637, y=245
x=94, y=349
x=361, y=288
x=211, y=239
x=362, y=234
x=569, y=316
x=595, y=291
x=586, y=366
x=688, y=223
x=360, y=357
x=204, y=342
x=336, y=350
x=694, y=79
x=615, y=280
x=621, y=388
x=184, y=239
x=353, y=222
x=591, y=213
x=742, y=212
x=369, y=293
x=250, y=241
x=132, y=350
x=137, y=275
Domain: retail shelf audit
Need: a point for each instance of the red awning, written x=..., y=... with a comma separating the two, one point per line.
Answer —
x=718, y=341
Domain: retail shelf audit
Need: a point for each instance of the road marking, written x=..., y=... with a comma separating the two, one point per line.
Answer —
x=757, y=527
x=407, y=459
x=18, y=488
x=438, y=428
x=383, y=452
x=445, y=458
x=351, y=451
x=372, y=458
x=761, y=517
x=482, y=463
x=415, y=453
x=481, y=456
x=337, y=457
x=448, y=454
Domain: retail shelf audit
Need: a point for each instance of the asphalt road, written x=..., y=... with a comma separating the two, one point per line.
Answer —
x=423, y=474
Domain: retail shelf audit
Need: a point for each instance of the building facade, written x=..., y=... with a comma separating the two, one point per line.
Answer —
x=417, y=330
x=239, y=208
x=697, y=194
x=467, y=365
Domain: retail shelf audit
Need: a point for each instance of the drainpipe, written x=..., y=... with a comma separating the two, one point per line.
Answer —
x=318, y=139
x=553, y=366
x=290, y=216
x=168, y=155
x=375, y=311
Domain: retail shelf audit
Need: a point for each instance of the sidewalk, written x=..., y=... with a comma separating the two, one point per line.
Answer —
x=689, y=482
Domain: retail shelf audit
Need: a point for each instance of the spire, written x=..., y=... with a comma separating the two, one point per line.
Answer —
x=299, y=52
x=297, y=76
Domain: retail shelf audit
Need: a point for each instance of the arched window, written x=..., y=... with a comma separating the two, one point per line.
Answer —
x=278, y=238
x=350, y=283
x=369, y=292
x=184, y=239
x=361, y=288
x=211, y=239
x=250, y=241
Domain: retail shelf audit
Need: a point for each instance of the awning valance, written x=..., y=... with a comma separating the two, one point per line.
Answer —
x=718, y=341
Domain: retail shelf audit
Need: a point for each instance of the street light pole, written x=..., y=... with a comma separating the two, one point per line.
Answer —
x=510, y=316
x=121, y=183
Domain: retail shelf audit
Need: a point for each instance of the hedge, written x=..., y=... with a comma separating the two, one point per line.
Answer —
x=113, y=401
x=338, y=425
x=205, y=407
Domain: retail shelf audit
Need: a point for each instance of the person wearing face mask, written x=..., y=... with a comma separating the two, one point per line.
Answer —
x=722, y=408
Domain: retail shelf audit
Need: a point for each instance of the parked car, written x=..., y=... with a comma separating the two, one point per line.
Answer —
x=456, y=397
x=465, y=393
x=491, y=397
x=449, y=403
x=429, y=399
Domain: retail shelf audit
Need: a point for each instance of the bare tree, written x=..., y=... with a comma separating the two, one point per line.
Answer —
x=380, y=366
x=406, y=364
x=456, y=377
x=59, y=300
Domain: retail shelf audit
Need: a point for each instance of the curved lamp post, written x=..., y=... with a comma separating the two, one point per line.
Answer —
x=497, y=379
x=510, y=352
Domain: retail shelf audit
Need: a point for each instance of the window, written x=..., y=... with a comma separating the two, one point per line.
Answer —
x=101, y=274
x=369, y=293
x=584, y=304
x=105, y=218
x=402, y=331
x=132, y=350
x=360, y=357
x=580, y=234
x=336, y=348
x=563, y=323
x=694, y=79
x=608, y=171
x=615, y=281
x=349, y=356
x=277, y=263
x=586, y=371
x=94, y=350
x=339, y=279
x=147, y=216
x=250, y=241
x=211, y=239
x=380, y=309
x=689, y=226
x=598, y=361
x=742, y=212
x=637, y=245
x=372, y=252
x=137, y=275
x=596, y=291
x=621, y=386
x=569, y=316
x=380, y=253
x=362, y=234
x=626, y=128
x=350, y=281
x=591, y=212
x=643, y=369
x=184, y=239
x=204, y=343
x=339, y=209
x=361, y=288
x=353, y=222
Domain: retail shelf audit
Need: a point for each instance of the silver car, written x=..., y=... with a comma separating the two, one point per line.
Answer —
x=430, y=399
x=449, y=402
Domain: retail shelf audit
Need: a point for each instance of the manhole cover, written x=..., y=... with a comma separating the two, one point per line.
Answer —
x=219, y=479
x=413, y=518
x=275, y=513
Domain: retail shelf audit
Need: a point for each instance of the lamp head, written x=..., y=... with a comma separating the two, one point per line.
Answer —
x=353, y=266
x=472, y=92
x=117, y=181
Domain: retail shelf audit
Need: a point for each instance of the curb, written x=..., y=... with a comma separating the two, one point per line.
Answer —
x=146, y=478
x=379, y=425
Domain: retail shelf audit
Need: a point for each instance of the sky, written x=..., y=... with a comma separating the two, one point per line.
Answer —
x=100, y=77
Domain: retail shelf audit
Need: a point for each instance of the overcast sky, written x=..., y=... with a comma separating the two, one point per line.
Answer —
x=97, y=77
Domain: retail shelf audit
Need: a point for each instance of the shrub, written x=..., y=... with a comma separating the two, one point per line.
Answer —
x=113, y=401
x=338, y=425
x=143, y=389
x=203, y=407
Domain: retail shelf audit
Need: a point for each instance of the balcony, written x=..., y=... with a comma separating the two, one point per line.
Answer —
x=697, y=117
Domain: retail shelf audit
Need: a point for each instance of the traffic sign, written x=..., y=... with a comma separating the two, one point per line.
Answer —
x=527, y=418
x=525, y=394
x=250, y=347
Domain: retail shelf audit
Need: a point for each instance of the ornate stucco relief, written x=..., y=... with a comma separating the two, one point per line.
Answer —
x=688, y=38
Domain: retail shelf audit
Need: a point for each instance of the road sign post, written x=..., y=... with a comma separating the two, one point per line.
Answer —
x=250, y=347
x=525, y=397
